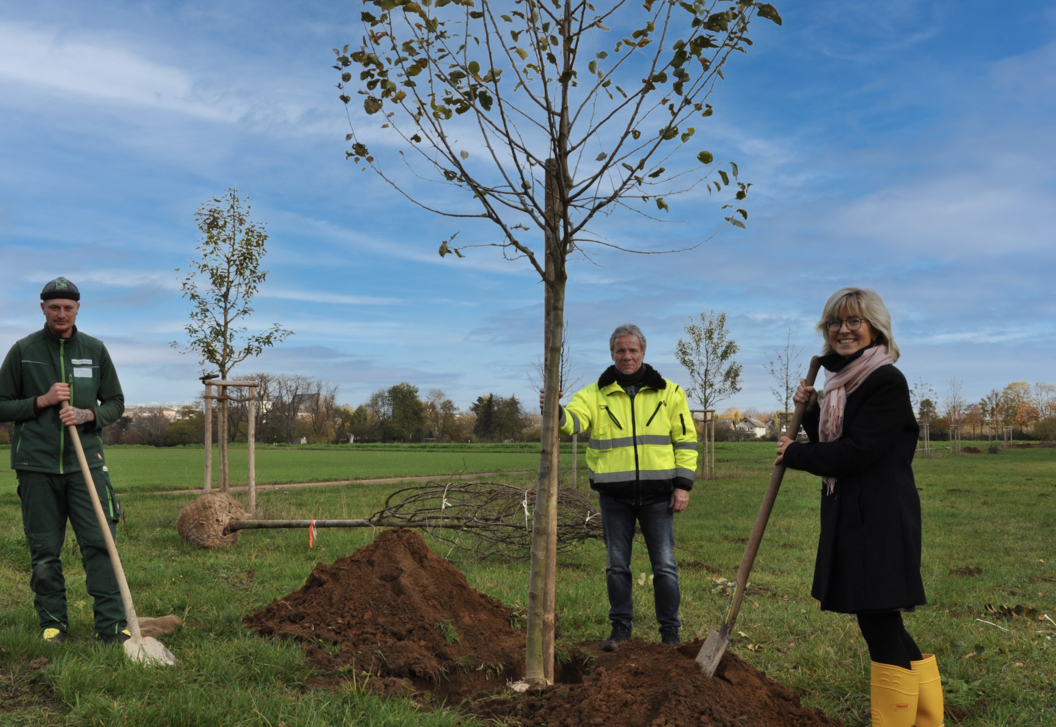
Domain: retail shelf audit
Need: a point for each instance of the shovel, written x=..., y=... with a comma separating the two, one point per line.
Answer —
x=715, y=645
x=139, y=648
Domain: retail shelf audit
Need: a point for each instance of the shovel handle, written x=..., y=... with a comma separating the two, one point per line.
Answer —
x=734, y=605
x=104, y=525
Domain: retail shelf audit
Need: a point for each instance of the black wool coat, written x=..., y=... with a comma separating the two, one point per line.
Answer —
x=869, y=549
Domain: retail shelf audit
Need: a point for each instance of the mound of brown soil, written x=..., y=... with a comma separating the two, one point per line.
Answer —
x=647, y=684
x=971, y=450
x=406, y=617
x=397, y=610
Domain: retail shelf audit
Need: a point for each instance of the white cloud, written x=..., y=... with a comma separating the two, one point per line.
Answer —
x=45, y=59
x=326, y=297
x=866, y=32
x=1028, y=79
x=950, y=217
x=110, y=278
x=110, y=70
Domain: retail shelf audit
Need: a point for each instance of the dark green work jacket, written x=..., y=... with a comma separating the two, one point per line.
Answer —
x=40, y=442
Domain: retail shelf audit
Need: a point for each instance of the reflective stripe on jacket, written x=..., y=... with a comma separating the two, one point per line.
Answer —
x=635, y=451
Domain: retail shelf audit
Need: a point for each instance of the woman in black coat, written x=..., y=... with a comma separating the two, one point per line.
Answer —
x=862, y=440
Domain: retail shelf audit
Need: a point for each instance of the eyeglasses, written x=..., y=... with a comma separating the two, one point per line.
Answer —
x=853, y=324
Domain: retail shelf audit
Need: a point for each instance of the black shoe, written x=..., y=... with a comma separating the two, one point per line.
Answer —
x=119, y=638
x=620, y=633
x=670, y=637
x=54, y=636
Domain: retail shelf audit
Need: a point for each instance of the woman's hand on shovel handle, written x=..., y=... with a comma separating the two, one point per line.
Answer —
x=806, y=395
x=782, y=445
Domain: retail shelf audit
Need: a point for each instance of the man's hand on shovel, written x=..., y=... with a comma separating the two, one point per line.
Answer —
x=73, y=417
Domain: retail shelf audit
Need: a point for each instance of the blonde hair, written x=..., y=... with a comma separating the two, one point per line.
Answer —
x=864, y=302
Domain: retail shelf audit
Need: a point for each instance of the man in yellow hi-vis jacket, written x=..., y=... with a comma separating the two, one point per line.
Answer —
x=642, y=459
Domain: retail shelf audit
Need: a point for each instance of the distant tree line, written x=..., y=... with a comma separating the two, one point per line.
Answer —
x=291, y=408
x=1030, y=411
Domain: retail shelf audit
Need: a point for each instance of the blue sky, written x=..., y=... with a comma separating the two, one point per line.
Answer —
x=900, y=145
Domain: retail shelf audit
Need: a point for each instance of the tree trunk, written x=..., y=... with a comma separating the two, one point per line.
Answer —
x=542, y=582
x=251, y=449
x=207, y=438
x=221, y=436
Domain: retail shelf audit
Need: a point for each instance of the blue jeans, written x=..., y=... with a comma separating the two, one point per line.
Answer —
x=658, y=526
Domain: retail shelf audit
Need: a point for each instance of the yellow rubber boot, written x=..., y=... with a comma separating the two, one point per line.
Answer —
x=893, y=695
x=930, y=708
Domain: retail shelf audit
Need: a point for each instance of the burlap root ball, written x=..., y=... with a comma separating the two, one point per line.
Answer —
x=202, y=523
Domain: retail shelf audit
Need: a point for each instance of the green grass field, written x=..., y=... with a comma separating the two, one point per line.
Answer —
x=988, y=515
x=146, y=469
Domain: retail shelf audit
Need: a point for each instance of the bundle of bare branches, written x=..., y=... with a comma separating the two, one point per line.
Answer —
x=480, y=520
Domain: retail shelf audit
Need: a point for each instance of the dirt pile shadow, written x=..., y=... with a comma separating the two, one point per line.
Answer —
x=399, y=619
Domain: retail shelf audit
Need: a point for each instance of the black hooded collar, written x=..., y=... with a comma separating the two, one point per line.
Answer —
x=835, y=363
x=650, y=377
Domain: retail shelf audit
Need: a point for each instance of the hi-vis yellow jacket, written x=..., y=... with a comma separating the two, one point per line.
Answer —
x=636, y=451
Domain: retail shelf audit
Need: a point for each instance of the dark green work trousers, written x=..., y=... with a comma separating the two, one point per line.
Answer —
x=47, y=502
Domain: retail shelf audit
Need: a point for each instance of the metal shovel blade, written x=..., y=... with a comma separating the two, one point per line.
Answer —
x=147, y=650
x=711, y=652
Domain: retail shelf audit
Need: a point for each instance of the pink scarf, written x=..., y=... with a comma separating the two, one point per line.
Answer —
x=840, y=385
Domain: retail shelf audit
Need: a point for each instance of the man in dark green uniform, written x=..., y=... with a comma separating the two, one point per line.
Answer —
x=41, y=371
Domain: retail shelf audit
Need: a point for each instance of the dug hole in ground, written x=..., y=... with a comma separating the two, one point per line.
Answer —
x=401, y=620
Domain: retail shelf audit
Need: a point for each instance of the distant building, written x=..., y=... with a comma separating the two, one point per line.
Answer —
x=169, y=411
x=751, y=426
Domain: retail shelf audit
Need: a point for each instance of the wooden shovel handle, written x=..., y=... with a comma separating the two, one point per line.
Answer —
x=763, y=517
x=104, y=525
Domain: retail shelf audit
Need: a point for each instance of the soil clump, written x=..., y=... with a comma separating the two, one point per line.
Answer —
x=399, y=619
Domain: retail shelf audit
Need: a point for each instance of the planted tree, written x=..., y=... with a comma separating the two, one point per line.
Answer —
x=919, y=392
x=954, y=405
x=220, y=284
x=545, y=119
x=991, y=413
x=927, y=413
x=783, y=366
x=707, y=354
